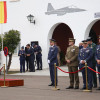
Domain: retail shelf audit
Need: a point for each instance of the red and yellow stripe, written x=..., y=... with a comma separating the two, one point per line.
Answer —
x=3, y=12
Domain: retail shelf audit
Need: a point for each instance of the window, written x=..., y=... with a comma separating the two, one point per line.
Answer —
x=17, y=49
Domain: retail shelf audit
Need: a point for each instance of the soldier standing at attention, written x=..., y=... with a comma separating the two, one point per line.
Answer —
x=71, y=58
x=97, y=57
x=93, y=47
x=52, y=59
x=85, y=56
x=21, y=53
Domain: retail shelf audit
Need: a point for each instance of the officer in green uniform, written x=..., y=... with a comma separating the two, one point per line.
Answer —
x=93, y=47
x=71, y=58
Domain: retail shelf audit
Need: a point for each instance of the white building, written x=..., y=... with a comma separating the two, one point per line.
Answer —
x=75, y=19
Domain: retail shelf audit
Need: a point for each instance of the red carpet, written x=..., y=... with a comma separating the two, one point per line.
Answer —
x=12, y=82
x=8, y=79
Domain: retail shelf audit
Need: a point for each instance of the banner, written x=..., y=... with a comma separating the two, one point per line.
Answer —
x=3, y=12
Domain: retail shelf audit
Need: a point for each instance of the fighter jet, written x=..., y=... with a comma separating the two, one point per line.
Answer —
x=62, y=11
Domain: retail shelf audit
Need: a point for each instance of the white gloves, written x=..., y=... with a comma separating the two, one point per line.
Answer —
x=48, y=61
x=82, y=60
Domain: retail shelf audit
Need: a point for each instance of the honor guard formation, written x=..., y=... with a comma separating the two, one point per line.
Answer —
x=88, y=53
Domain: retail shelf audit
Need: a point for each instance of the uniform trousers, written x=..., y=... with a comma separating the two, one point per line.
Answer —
x=22, y=65
x=31, y=64
x=94, y=76
x=89, y=75
x=73, y=76
x=39, y=62
x=52, y=73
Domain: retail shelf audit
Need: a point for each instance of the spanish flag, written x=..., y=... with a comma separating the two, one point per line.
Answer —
x=3, y=12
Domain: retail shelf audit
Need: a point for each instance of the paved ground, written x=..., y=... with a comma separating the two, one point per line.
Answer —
x=36, y=88
x=45, y=72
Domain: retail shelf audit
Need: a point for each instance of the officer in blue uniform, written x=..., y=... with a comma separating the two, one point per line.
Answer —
x=85, y=55
x=38, y=51
x=30, y=54
x=52, y=59
x=97, y=57
x=93, y=47
x=21, y=53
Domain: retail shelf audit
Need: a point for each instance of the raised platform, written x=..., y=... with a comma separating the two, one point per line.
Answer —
x=12, y=82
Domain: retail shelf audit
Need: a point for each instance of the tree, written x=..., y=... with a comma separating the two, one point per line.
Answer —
x=11, y=40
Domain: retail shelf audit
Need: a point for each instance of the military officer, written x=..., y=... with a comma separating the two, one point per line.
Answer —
x=38, y=51
x=71, y=58
x=52, y=59
x=97, y=57
x=93, y=47
x=21, y=53
x=85, y=56
x=30, y=54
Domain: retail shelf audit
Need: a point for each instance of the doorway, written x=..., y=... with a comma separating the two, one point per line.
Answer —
x=61, y=34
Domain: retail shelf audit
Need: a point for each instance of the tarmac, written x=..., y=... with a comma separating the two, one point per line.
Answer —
x=36, y=88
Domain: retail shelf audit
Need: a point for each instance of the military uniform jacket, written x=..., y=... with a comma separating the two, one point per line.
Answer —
x=26, y=51
x=97, y=53
x=52, y=55
x=93, y=47
x=85, y=54
x=38, y=50
x=31, y=52
x=72, y=55
x=22, y=56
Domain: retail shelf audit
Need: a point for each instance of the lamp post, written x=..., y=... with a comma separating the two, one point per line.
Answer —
x=31, y=18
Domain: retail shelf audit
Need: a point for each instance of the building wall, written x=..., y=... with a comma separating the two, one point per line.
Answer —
x=79, y=22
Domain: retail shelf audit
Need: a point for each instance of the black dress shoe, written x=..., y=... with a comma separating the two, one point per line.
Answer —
x=90, y=89
x=51, y=84
x=76, y=87
x=70, y=87
x=83, y=88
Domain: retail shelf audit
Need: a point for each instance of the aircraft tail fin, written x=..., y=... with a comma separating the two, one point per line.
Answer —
x=50, y=7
